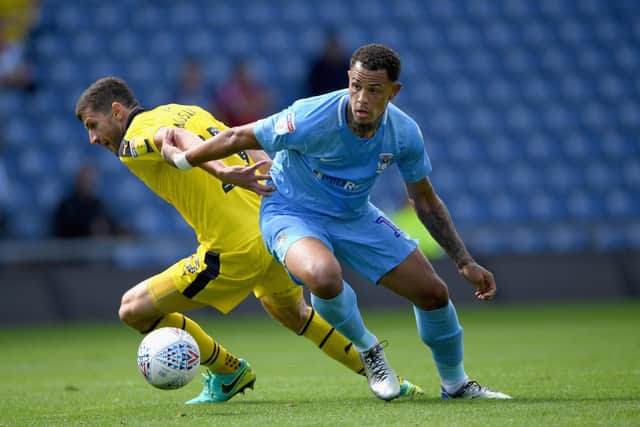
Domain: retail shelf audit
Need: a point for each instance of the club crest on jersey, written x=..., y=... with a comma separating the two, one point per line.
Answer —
x=285, y=124
x=384, y=160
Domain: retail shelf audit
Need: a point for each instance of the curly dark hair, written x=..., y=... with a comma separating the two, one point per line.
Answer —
x=378, y=57
x=99, y=96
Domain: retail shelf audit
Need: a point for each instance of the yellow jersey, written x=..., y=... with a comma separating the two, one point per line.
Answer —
x=222, y=216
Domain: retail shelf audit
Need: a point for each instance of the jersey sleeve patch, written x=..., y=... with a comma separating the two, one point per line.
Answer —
x=135, y=147
x=285, y=124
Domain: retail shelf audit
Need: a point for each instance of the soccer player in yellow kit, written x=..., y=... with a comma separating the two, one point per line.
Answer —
x=231, y=260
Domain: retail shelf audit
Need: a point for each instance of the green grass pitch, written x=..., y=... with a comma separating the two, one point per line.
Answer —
x=574, y=365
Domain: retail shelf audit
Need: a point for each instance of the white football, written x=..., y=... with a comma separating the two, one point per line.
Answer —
x=168, y=358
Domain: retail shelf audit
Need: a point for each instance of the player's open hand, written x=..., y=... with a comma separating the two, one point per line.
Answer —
x=248, y=177
x=169, y=149
x=481, y=278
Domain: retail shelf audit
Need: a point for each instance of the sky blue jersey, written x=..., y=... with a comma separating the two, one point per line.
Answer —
x=320, y=165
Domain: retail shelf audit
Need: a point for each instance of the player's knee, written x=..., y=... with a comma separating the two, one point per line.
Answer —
x=432, y=294
x=324, y=280
x=128, y=313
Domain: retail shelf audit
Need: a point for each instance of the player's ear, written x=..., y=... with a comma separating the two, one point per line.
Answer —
x=395, y=88
x=117, y=110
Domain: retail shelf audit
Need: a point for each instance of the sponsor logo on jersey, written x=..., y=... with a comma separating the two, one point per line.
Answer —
x=192, y=265
x=338, y=182
x=285, y=124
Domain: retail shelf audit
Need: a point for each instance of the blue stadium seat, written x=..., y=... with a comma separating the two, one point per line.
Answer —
x=198, y=40
x=487, y=240
x=260, y=13
x=239, y=42
x=29, y=224
x=483, y=178
x=561, y=178
x=540, y=147
x=277, y=40
x=332, y=12
x=524, y=240
x=224, y=16
x=125, y=45
x=584, y=205
x=353, y=37
x=627, y=57
x=297, y=13
x=187, y=15
x=468, y=209
x=70, y=158
x=631, y=173
x=568, y=238
x=310, y=40
x=629, y=112
x=601, y=176
x=146, y=17
x=616, y=147
x=407, y=11
x=522, y=178
x=71, y=17
x=390, y=35
x=110, y=16
x=500, y=91
x=446, y=179
x=547, y=207
x=18, y=132
x=622, y=204
x=577, y=146
x=508, y=208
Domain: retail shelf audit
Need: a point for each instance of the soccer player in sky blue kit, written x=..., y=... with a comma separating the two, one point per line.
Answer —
x=327, y=152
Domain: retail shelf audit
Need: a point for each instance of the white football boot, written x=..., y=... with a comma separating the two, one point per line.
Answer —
x=383, y=382
x=473, y=390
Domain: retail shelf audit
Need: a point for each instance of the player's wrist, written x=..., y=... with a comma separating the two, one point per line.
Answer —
x=463, y=262
x=181, y=162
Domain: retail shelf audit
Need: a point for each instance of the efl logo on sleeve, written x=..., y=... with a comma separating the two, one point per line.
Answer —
x=285, y=124
x=139, y=146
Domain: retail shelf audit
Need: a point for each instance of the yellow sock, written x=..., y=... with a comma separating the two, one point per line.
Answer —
x=212, y=355
x=332, y=342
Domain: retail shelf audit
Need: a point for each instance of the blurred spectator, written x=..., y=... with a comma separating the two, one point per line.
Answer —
x=82, y=213
x=17, y=19
x=242, y=99
x=328, y=72
x=192, y=88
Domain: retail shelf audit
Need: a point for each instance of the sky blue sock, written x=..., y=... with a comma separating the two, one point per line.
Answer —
x=343, y=314
x=441, y=331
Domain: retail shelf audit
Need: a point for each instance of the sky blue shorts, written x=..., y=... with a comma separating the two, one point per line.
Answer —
x=370, y=244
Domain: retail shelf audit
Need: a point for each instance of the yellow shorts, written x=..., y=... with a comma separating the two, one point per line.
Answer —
x=224, y=280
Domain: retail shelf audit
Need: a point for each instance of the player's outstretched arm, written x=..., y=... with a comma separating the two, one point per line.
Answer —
x=224, y=144
x=435, y=216
x=173, y=141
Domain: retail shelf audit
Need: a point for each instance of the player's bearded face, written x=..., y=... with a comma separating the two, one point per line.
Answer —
x=104, y=130
x=369, y=93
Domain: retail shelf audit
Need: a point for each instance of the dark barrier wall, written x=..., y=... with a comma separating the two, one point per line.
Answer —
x=47, y=293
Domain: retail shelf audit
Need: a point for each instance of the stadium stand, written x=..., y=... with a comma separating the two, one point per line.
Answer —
x=531, y=110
